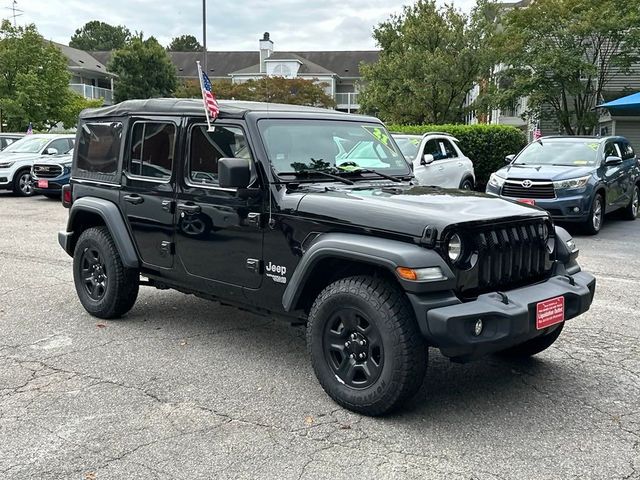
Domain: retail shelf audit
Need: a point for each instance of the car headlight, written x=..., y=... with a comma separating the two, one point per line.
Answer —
x=572, y=183
x=496, y=180
x=6, y=164
x=454, y=247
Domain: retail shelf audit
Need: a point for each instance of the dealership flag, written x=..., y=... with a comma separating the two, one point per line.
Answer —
x=211, y=107
x=30, y=129
x=536, y=132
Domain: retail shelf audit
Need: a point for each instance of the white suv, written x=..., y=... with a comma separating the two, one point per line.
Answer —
x=437, y=160
x=17, y=159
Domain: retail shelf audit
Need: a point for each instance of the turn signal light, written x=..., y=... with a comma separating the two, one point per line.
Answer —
x=428, y=274
x=407, y=273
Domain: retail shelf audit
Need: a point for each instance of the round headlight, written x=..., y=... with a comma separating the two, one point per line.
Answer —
x=455, y=247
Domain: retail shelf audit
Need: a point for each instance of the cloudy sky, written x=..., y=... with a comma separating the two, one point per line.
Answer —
x=232, y=24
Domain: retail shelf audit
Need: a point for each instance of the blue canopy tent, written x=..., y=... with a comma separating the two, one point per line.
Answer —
x=630, y=102
x=622, y=117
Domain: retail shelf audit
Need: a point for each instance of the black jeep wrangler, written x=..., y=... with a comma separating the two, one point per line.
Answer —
x=312, y=215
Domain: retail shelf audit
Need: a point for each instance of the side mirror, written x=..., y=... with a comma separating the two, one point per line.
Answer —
x=427, y=159
x=612, y=160
x=51, y=151
x=509, y=158
x=234, y=173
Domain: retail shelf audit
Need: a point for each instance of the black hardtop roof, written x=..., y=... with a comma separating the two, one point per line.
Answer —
x=194, y=107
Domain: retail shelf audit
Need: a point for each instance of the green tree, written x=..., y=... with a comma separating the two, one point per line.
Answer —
x=73, y=106
x=34, y=79
x=430, y=58
x=100, y=36
x=144, y=70
x=294, y=91
x=562, y=55
x=185, y=43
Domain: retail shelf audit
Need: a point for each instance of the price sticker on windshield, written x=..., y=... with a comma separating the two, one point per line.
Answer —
x=381, y=136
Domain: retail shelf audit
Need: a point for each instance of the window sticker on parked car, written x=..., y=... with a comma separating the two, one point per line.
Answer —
x=593, y=146
x=580, y=162
x=381, y=136
x=415, y=141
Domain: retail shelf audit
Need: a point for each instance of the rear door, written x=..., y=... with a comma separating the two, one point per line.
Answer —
x=452, y=163
x=147, y=196
x=629, y=164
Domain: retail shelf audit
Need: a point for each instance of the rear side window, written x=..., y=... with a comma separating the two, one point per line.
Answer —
x=98, y=150
x=627, y=151
x=152, y=150
x=449, y=149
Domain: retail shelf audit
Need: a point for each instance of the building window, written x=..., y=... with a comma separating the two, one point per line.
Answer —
x=282, y=70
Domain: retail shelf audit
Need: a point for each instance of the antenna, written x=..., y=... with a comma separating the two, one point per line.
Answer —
x=15, y=11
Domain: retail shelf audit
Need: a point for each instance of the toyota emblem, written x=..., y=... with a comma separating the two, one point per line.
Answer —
x=527, y=183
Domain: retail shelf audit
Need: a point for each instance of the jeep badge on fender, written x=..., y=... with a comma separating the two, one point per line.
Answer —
x=378, y=268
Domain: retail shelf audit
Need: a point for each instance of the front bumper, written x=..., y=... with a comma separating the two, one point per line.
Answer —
x=450, y=326
x=564, y=208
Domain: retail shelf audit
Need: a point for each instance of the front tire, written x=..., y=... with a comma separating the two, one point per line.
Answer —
x=105, y=287
x=366, y=349
x=22, y=184
x=533, y=346
x=466, y=184
x=596, y=216
x=631, y=211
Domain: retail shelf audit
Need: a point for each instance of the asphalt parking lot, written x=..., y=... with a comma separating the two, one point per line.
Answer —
x=185, y=388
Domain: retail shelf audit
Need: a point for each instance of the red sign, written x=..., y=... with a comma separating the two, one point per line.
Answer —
x=528, y=201
x=549, y=312
x=43, y=183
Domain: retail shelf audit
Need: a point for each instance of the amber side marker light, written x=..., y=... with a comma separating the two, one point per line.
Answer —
x=428, y=274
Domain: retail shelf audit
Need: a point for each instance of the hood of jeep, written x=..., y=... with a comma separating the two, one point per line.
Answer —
x=409, y=209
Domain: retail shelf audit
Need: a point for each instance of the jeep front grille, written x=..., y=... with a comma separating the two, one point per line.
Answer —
x=528, y=189
x=47, y=171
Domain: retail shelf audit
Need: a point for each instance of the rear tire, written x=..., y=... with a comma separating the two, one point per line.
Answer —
x=630, y=212
x=534, y=346
x=105, y=287
x=596, y=216
x=365, y=345
x=22, y=185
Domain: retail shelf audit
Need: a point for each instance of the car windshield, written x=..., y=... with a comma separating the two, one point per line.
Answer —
x=559, y=152
x=27, y=145
x=296, y=146
x=408, y=146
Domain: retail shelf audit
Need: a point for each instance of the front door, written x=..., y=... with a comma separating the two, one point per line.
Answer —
x=613, y=175
x=430, y=173
x=218, y=232
x=147, y=196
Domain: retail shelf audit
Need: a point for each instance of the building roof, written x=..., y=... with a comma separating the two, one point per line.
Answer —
x=223, y=64
x=80, y=60
x=194, y=107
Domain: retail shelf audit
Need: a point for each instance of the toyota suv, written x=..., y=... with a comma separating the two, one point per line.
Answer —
x=264, y=211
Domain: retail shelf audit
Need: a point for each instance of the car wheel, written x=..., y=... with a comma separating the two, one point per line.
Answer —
x=22, y=184
x=631, y=211
x=595, y=220
x=365, y=346
x=467, y=184
x=533, y=346
x=105, y=287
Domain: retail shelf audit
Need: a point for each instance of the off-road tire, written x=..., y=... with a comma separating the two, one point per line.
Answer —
x=590, y=226
x=18, y=184
x=122, y=284
x=533, y=346
x=630, y=212
x=404, y=360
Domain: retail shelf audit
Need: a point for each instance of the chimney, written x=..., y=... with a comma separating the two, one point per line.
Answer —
x=266, y=49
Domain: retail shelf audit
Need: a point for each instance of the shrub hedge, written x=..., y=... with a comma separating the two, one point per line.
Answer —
x=485, y=145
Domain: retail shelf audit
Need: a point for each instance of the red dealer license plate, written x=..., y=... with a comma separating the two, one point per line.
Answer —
x=43, y=183
x=549, y=312
x=528, y=201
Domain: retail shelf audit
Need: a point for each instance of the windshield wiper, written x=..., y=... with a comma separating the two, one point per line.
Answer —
x=326, y=174
x=376, y=172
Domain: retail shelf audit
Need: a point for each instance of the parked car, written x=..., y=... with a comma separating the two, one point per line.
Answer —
x=7, y=139
x=257, y=213
x=49, y=175
x=17, y=159
x=576, y=179
x=437, y=160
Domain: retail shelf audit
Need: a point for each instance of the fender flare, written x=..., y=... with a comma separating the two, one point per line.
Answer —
x=380, y=252
x=112, y=218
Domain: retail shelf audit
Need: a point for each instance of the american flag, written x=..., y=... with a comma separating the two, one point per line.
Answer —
x=210, y=101
x=536, y=131
x=30, y=129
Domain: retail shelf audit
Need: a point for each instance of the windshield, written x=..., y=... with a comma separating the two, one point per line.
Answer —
x=296, y=146
x=408, y=146
x=27, y=145
x=559, y=152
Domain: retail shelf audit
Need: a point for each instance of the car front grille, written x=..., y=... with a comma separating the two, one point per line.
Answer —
x=528, y=189
x=47, y=171
x=506, y=256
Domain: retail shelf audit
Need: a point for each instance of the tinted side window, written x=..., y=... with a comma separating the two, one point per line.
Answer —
x=99, y=148
x=432, y=147
x=207, y=148
x=627, y=151
x=610, y=150
x=61, y=145
x=152, y=150
x=448, y=148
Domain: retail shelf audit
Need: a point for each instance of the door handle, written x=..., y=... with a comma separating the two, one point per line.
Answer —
x=459, y=164
x=135, y=199
x=440, y=168
x=189, y=208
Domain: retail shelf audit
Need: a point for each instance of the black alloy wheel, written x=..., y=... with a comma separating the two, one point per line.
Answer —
x=94, y=273
x=353, y=348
